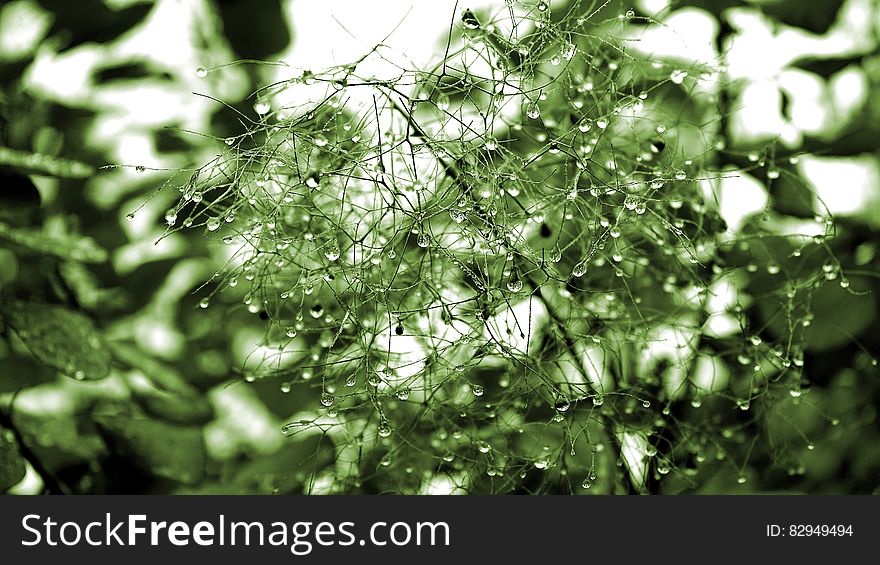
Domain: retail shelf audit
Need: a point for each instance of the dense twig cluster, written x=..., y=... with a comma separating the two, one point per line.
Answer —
x=495, y=272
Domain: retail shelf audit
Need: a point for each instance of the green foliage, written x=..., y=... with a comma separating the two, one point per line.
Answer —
x=63, y=339
x=12, y=468
x=502, y=272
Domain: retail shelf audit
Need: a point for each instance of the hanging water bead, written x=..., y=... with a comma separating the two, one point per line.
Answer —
x=477, y=390
x=204, y=303
x=443, y=101
x=213, y=224
x=469, y=20
x=630, y=14
x=585, y=125
x=262, y=107
x=677, y=76
x=423, y=240
x=201, y=72
x=332, y=252
x=384, y=429
x=514, y=285
x=316, y=311
x=285, y=387
x=290, y=331
x=327, y=399
x=533, y=112
x=580, y=269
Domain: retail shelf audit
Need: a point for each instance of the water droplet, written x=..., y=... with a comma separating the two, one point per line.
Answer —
x=542, y=6
x=290, y=331
x=469, y=20
x=316, y=311
x=285, y=387
x=212, y=224
x=204, y=303
x=514, y=285
x=140, y=168
x=129, y=217
x=171, y=218
x=443, y=101
x=477, y=390
x=533, y=112
x=677, y=76
x=327, y=399
x=384, y=429
x=403, y=394
x=598, y=400
x=201, y=72
x=321, y=141
x=580, y=269
x=741, y=479
x=262, y=107
x=646, y=404
x=332, y=252
x=680, y=175
x=630, y=14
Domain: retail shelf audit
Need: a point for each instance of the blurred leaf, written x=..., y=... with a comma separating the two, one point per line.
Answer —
x=176, y=408
x=12, y=468
x=93, y=20
x=165, y=450
x=75, y=247
x=59, y=441
x=18, y=196
x=162, y=376
x=256, y=29
x=18, y=371
x=35, y=163
x=60, y=338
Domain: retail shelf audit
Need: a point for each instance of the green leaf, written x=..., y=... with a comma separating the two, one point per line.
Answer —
x=165, y=450
x=60, y=338
x=12, y=468
x=76, y=247
x=37, y=163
